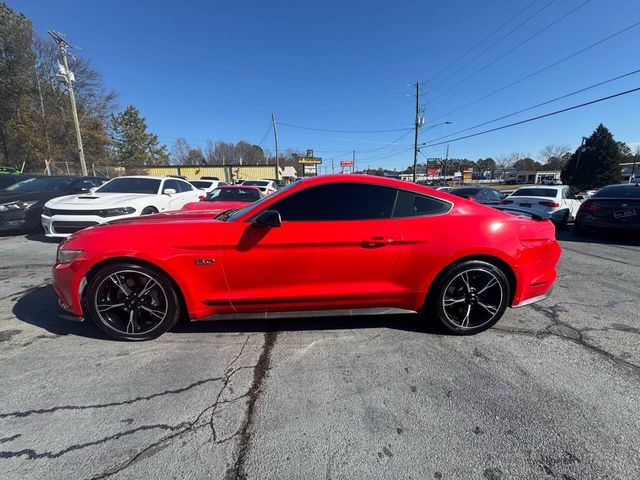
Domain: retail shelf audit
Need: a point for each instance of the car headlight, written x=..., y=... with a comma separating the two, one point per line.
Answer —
x=11, y=206
x=114, y=212
x=46, y=211
x=67, y=256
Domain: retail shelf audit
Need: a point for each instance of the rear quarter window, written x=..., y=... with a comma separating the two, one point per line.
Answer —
x=409, y=204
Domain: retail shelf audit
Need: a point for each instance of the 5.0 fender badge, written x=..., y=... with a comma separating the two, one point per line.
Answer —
x=205, y=261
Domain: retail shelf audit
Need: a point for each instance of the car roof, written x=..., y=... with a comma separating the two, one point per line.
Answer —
x=151, y=177
x=237, y=187
x=556, y=187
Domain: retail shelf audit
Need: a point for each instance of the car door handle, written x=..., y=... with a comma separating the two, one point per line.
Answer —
x=380, y=241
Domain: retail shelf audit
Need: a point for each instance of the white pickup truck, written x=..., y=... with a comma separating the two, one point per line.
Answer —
x=556, y=200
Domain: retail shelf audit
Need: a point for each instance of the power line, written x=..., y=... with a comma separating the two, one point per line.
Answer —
x=590, y=87
x=344, y=131
x=537, y=72
x=265, y=135
x=477, y=44
x=528, y=39
x=526, y=20
x=602, y=99
x=388, y=144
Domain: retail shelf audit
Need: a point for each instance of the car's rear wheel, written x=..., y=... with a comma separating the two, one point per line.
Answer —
x=470, y=297
x=132, y=302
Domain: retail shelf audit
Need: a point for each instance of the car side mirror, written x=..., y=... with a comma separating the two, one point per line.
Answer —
x=93, y=189
x=169, y=191
x=268, y=218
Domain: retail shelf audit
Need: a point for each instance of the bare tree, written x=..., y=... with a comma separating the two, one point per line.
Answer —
x=554, y=156
x=180, y=152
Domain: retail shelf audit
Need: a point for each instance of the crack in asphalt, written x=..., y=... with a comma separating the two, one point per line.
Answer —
x=564, y=330
x=31, y=454
x=39, y=411
x=192, y=426
x=237, y=471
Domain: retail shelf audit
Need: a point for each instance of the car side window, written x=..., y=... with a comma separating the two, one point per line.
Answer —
x=184, y=186
x=83, y=184
x=338, y=201
x=411, y=204
x=567, y=194
x=171, y=184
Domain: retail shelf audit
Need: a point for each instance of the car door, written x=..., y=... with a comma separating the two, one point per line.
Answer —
x=188, y=193
x=572, y=203
x=172, y=201
x=337, y=247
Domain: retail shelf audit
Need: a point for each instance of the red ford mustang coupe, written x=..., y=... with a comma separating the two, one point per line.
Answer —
x=330, y=243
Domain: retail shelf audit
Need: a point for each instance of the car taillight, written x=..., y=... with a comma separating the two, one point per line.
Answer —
x=506, y=202
x=590, y=207
x=549, y=204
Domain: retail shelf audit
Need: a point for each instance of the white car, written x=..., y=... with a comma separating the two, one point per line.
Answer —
x=266, y=186
x=557, y=200
x=122, y=197
x=207, y=185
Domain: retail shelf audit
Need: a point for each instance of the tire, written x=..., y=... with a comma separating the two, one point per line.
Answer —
x=149, y=211
x=132, y=302
x=466, y=290
x=563, y=223
x=579, y=229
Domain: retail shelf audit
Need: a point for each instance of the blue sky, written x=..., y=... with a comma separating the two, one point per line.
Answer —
x=216, y=70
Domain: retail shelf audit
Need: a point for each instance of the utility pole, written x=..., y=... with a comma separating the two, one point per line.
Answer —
x=415, y=141
x=353, y=163
x=332, y=169
x=69, y=78
x=446, y=159
x=275, y=135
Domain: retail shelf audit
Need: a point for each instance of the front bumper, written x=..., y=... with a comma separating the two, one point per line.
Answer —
x=61, y=226
x=63, y=313
x=12, y=221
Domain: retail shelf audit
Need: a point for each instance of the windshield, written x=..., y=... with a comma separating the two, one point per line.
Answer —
x=42, y=184
x=201, y=184
x=233, y=195
x=257, y=204
x=535, y=192
x=147, y=186
x=618, y=191
x=255, y=183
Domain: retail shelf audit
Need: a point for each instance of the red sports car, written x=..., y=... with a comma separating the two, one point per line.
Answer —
x=226, y=198
x=330, y=243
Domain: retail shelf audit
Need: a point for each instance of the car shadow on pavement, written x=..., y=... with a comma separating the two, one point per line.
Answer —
x=411, y=323
x=39, y=237
x=39, y=308
x=605, y=238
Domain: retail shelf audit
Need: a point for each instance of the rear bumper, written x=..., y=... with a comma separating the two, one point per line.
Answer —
x=591, y=222
x=536, y=299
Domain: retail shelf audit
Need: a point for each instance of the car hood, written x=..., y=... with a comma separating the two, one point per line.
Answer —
x=8, y=197
x=96, y=200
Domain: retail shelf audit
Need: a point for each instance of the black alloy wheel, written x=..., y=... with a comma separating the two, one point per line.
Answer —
x=470, y=297
x=132, y=302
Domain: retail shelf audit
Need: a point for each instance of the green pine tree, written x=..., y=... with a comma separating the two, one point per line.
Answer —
x=596, y=163
x=133, y=146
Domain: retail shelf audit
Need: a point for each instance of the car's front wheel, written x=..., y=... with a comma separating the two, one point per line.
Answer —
x=132, y=302
x=470, y=297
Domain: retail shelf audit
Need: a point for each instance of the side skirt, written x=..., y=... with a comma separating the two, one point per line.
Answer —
x=308, y=314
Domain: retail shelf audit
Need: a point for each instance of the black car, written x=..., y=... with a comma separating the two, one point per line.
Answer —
x=485, y=195
x=616, y=207
x=21, y=204
x=8, y=179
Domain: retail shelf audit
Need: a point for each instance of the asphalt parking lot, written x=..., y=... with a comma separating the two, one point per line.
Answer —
x=553, y=391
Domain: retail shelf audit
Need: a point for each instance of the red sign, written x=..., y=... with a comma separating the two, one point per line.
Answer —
x=346, y=163
x=433, y=171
